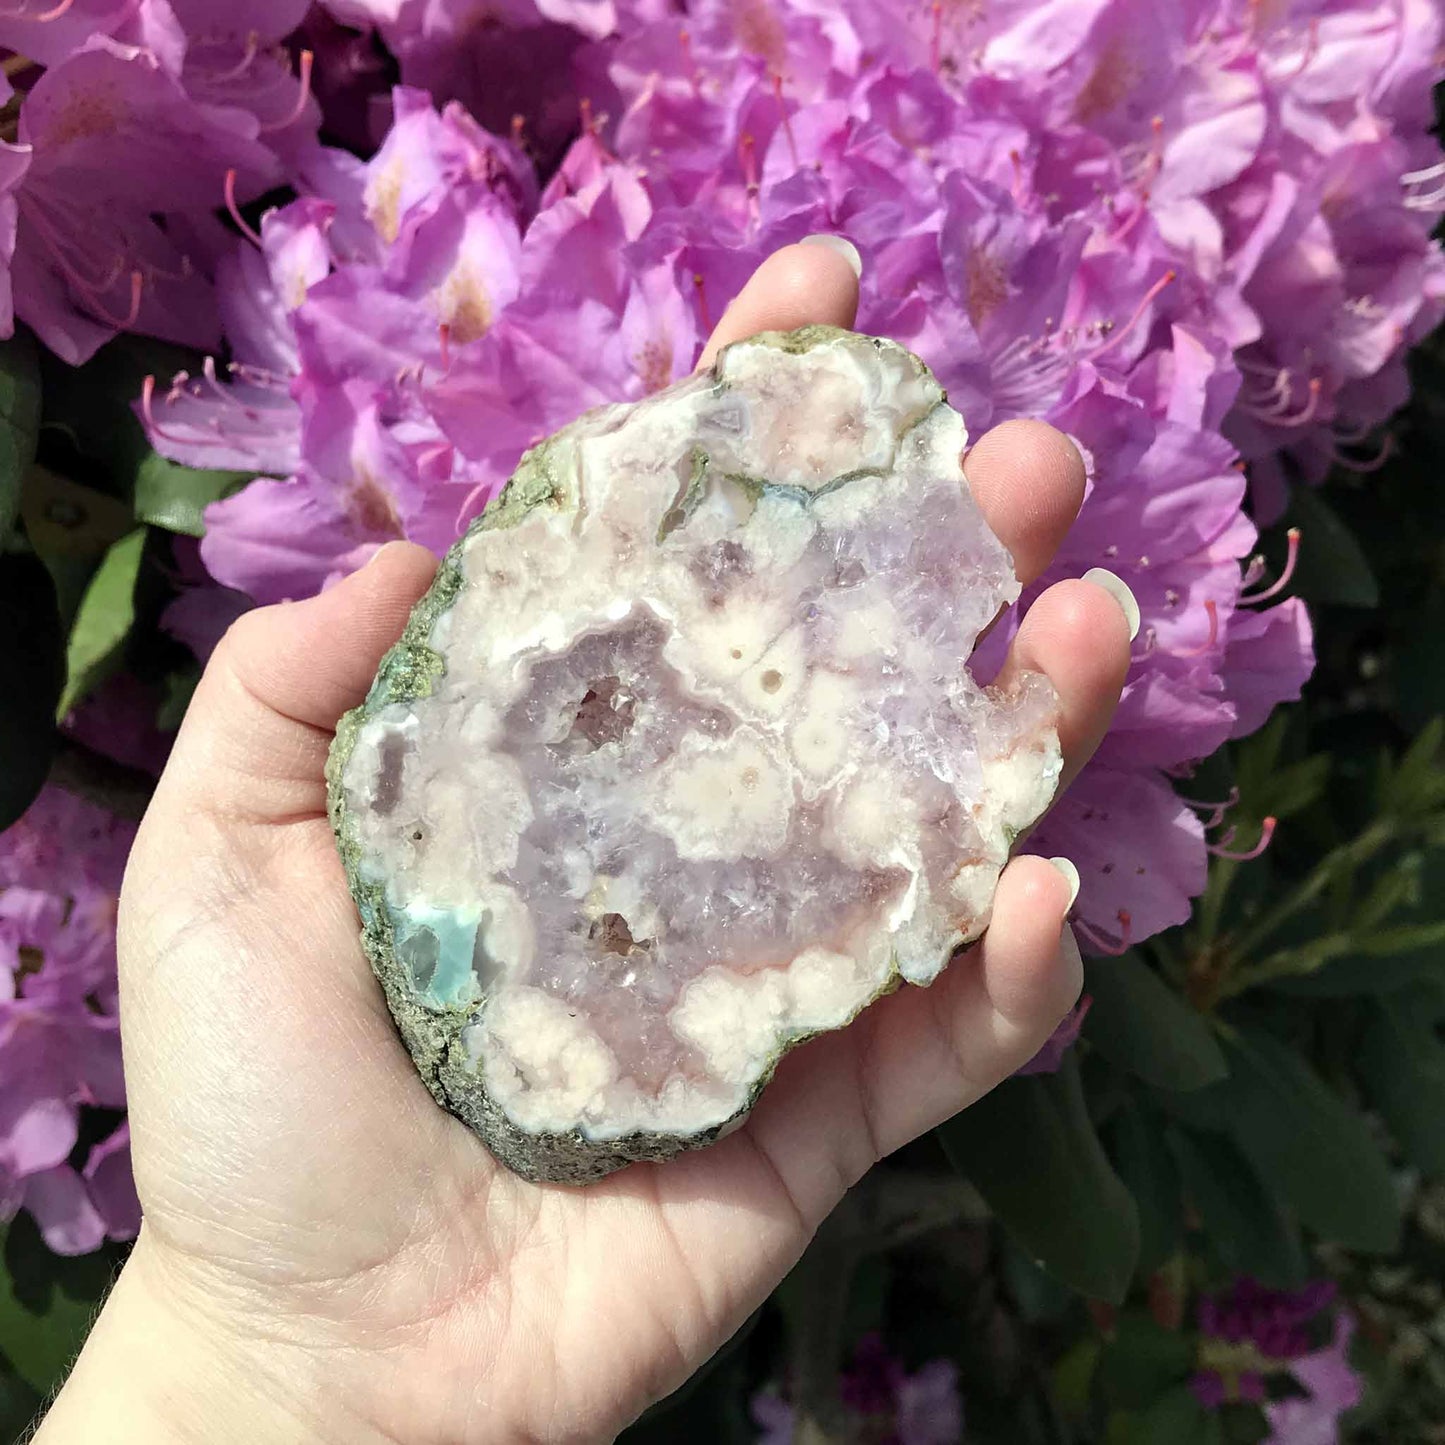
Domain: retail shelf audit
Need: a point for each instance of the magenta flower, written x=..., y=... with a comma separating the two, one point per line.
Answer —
x=1250, y=1333
x=115, y=141
x=883, y=1401
x=1332, y=1386
x=60, y=869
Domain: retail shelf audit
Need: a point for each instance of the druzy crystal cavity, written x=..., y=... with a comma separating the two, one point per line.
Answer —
x=679, y=762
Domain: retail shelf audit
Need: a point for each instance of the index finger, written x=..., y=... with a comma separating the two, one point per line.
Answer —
x=813, y=282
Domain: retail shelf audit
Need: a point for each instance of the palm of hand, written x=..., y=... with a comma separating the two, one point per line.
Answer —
x=301, y=1187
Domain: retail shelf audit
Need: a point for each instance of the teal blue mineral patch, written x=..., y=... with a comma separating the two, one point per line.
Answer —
x=436, y=945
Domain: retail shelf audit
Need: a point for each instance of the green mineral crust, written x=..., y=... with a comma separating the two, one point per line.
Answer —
x=679, y=764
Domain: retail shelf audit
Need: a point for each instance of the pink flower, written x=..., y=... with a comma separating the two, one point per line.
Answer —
x=60, y=869
x=883, y=1401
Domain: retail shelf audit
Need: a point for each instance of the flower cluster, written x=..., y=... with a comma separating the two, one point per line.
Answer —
x=1071, y=212
x=1193, y=236
x=1255, y=1338
x=60, y=871
x=129, y=124
x=882, y=1401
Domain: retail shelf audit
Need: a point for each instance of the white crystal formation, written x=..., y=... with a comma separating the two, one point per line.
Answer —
x=681, y=763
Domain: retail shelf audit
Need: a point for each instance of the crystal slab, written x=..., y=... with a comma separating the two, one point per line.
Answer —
x=679, y=763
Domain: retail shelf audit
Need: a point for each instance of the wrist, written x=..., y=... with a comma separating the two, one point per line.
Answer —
x=168, y=1363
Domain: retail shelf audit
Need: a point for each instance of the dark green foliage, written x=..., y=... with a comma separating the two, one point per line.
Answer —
x=1029, y=1147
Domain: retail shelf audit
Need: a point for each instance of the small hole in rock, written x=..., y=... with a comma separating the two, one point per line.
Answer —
x=771, y=680
x=603, y=716
x=416, y=837
x=737, y=654
x=749, y=779
x=613, y=935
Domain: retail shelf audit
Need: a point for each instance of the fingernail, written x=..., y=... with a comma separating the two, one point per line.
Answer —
x=842, y=245
x=1118, y=589
x=1071, y=874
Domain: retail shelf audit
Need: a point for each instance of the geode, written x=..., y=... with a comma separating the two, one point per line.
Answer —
x=679, y=762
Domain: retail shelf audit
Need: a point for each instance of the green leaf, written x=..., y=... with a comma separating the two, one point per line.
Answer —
x=1243, y=1424
x=1242, y=1220
x=1140, y=1023
x=106, y=613
x=1143, y=1361
x=175, y=497
x=1311, y=1146
x=32, y=661
x=1407, y=938
x=1402, y=1064
x=42, y=1346
x=19, y=421
x=1419, y=768
x=1030, y=1149
x=1332, y=566
x=1177, y=1418
x=1139, y=1152
x=91, y=408
x=1073, y=1377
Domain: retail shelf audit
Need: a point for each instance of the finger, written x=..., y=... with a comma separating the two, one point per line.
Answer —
x=814, y=282
x=255, y=737
x=1028, y=480
x=935, y=1050
x=1077, y=634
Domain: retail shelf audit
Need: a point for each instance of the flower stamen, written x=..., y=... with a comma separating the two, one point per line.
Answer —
x=235, y=212
x=1280, y=582
x=303, y=68
x=1222, y=850
x=1167, y=279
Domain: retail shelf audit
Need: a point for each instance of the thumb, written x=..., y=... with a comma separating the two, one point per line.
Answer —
x=254, y=742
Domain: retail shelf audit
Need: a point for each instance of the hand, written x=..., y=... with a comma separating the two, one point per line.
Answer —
x=326, y=1255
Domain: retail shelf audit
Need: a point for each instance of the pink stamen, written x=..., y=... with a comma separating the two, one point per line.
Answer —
x=147, y=410
x=303, y=95
x=235, y=211
x=684, y=40
x=444, y=337
x=1370, y=464
x=519, y=125
x=208, y=370
x=1280, y=582
x=1276, y=394
x=1430, y=173
x=1253, y=573
x=1431, y=202
x=747, y=156
x=253, y=42
x=1305, y=417
x=935, y=43
x=45, y=16
x=1312, y=47
x=1266, y=832
x=1018, y=189
x=1211, y=609
x=1216, y=811
x=700, y=286
x=259, y=375
x=787, y=119
x=464, y=512
x=1100, y=942
x=1155, y=162
x=1135, y=216
x=1167, y=279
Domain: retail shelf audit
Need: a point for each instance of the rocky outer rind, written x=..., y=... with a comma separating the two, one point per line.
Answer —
x=433, y=1028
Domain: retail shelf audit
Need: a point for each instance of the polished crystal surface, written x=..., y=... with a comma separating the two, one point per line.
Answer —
x=697, y=769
